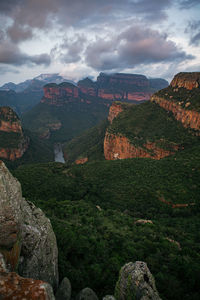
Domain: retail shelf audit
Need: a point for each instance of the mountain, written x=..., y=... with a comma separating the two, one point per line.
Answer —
x=44, y=78
x=146, y=207
x=63, y=114
x=120, y=86
x=13, y=142
x=154, y=129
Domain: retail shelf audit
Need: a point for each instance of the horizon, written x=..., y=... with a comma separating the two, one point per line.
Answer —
x=154, y=38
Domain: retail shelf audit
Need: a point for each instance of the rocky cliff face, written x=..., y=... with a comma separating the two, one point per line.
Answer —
x=188, y=80
x=59, y=94
x=182, y=98
x=13, y=143
x=123, y=87
x=119, y=147
x=189, y=118
x=9, y=121
x=136, y=282
x=27, y=240
x=16, y=287
x=114, y=110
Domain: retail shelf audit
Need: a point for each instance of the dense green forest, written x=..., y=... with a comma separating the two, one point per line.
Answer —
x=93, y=209
x=74, y=118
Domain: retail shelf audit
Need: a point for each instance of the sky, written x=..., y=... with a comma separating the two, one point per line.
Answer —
x=80, y=38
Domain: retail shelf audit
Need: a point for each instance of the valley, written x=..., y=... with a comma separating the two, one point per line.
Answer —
x=119, y=180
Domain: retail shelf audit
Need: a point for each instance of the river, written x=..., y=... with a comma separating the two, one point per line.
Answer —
x=59, y=157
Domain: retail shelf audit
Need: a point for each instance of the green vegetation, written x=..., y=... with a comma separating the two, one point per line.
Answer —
x=75, y=117
x=38, y=151
x=93, y=209
x=10, y=139
x=188, y=99
x=89, y=144
x=20, y=102
x=148, y=122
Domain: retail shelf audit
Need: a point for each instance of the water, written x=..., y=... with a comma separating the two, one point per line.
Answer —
x=59, y=157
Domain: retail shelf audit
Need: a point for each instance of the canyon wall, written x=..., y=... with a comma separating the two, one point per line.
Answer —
x=189, y=80
x=120, y=147
x=13, y=142
x=189, y=118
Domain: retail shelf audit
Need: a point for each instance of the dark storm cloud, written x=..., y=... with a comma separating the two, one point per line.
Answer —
x=193, y=29
x=132, y=47
x=18, y=33
x=70, y=49
x=11, y=54
x=40, y=14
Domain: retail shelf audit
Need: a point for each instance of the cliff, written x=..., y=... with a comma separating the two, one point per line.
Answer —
x=9, y=121
x=59, y=94
x=188, y=80
x=27, y=241
x=13, y=142
x=114, y=110
x=182, y=98
x=123, y=87
x=144, y=131
x=120, y=147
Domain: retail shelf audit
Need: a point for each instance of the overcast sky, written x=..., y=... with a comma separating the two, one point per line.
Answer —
x=79, y=38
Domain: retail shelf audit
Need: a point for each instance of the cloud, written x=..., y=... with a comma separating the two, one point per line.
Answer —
x=186, y=4
x=70, y=49
x=42, y=14
x=134, y=46
x=19, y=33
x=193, y=29
x=11, y=54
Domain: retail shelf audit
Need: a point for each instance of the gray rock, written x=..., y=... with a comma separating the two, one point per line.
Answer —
x=25, y=227
x=109, y=297
x=64, y=290
x=136, y=282
x=87, y=294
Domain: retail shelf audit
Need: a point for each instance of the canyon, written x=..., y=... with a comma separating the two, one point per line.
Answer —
x=13, y=142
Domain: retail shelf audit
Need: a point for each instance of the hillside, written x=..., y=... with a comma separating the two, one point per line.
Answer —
x=170, y=122
x=62, y=114
x=94, y=209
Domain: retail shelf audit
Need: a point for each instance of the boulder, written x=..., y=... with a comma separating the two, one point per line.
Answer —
x=27, y=240
x=136, y=282
x=13, y=286
x=64, y=290
x=87, y=294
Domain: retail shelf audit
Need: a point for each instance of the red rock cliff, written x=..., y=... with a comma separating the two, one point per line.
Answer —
x=59, y=94
x=11, y=146
x=189, y=118
x=115, y=109
x=119, y=147
x=186, y=80
x=9, y=121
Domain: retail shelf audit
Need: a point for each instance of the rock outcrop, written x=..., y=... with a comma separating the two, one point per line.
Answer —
x=64, y=290
x=136, y=282
x=59, y=94
x=114, y=110
x=120, y=147
x=81, y=161
x=9, y=121
x=27, y=240
x=13, y=142
x=87, y=294
x=189, y=118
x=13, y=286
x=189, y=80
